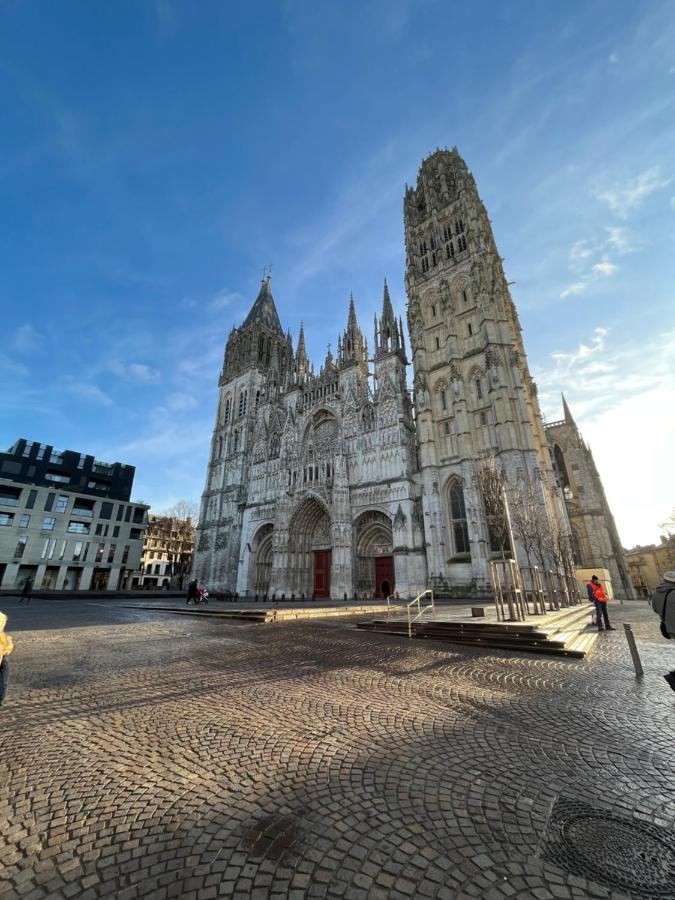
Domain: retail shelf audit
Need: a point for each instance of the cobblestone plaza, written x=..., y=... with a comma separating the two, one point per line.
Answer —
x=157, y=756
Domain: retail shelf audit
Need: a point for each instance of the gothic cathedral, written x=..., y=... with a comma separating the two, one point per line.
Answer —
x=332, y=484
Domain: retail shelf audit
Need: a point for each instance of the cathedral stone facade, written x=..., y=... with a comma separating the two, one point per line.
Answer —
x=338, y=483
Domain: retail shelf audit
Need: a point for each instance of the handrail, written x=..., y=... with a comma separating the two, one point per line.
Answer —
x=420, y=610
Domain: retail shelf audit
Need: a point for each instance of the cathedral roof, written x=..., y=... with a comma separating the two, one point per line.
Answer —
x=263, y=311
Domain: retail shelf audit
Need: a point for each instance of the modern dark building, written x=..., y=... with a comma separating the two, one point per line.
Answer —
x=27, y=462
x=67, y=521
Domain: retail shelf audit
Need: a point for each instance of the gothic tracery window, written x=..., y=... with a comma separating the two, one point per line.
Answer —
x=458, y=522
x=243, y=400
x=368, y=417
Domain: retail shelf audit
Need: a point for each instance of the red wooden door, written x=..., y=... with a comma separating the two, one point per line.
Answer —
x=384, y=576
x=322, y=560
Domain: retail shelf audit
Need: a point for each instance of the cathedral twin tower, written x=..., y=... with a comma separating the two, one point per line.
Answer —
x=332, y=483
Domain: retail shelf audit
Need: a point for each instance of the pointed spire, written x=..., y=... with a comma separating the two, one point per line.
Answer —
x=350, y=348
x=387, y=337
x=301, y=361
x=566, y=411
x=263, y=311
x=351, y=321
x=387, y=309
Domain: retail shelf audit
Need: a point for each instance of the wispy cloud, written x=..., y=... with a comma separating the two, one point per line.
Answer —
x=135, y=371
x=89, y=392
x=181, y=402
x=11, y=367
x=27, y=339
x=605, y=267
x=619, y=395
x=224, y=299
x=622, y=197
x=577, y=287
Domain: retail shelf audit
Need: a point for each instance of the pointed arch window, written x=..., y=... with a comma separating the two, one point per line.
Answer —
x=228, y=409
x=368, y=418
x=235, y=440
x=444, y=401
x=243, y=400
x=220, y=447
x=458, y=523
x=479, y=388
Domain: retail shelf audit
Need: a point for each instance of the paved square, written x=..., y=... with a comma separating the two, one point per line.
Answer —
x=147, y=755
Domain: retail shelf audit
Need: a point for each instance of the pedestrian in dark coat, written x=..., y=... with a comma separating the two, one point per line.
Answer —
x=27, y=591
x=192, y=592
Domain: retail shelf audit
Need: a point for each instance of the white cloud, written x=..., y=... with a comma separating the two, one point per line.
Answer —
x=181, y=402
x=26, y=339
x=224, y=299
x=144, y=373
x=89, y=392
x=134, y=371
x=620, y=396
x=613, y=57
x=623, y=197
x=605, y=268
x=577, y=288
x=12, y=367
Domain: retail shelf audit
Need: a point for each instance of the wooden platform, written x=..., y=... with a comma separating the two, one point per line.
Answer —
x=564, y=633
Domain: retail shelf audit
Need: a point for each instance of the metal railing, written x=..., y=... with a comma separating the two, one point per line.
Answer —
x=421, y=610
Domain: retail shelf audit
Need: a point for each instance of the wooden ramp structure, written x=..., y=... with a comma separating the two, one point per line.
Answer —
x=566, y=633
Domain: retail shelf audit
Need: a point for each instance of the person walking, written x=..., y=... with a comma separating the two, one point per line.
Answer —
x=192, y=592
x=27, y=591
x=598, y=595
x=6, y=647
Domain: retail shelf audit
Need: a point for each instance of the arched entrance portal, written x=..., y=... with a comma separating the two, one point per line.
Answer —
x=374, y=555
x=261, y=561
x=309, y=550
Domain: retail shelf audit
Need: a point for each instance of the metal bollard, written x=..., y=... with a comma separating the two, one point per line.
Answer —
x=632, y=646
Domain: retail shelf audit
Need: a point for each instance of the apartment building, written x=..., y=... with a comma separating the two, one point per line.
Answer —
x=167, y=553
x=67, y=520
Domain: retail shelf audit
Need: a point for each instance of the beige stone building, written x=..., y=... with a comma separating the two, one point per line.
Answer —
x=166, y=560
x=340, y=483
x=647, y=564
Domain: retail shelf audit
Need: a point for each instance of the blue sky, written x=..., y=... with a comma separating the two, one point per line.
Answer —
x=157, y=155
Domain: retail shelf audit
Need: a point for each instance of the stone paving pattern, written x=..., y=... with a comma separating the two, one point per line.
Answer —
x=150, y=756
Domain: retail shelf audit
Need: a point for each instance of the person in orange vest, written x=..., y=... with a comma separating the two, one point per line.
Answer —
x=598, y=595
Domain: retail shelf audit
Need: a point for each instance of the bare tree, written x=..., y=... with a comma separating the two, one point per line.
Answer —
x=669, y=525
x=492, y=487
x=180, y=544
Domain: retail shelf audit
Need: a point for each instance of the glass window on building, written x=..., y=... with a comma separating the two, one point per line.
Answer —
x=111, y=553
x=32, y=497
x=9, y=496
x=6, y=518
x=78, y=527
x=77, y=551
x=106, y=510
x=24, y=520
x=48, y=523
x=20, y=547
x=49, y=502
x=61, y=503
x=125, y=554
x=99, y=553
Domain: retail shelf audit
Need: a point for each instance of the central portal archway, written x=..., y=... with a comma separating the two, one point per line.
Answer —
x=310, y=550
x=373, y=541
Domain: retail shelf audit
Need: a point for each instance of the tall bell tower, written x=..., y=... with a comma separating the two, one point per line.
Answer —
x=257, y=368
x=474, y=395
